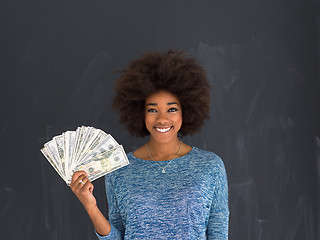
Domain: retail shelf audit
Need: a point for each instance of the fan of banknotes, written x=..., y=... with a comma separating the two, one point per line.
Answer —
x=88, y=149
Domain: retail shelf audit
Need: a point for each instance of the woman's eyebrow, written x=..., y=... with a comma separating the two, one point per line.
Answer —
x=171, y=103
x=152, y=104
x=155, y=104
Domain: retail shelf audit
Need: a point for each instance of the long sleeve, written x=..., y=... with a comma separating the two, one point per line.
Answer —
x=117, y=229
x=218, y=223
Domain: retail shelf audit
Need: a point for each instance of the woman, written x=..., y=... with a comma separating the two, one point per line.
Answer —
x=170, y=190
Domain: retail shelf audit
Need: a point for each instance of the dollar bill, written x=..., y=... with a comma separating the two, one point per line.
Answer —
x=107, y=144
x=60, y=147
x=104, y=163
x=69, y=140
x=52, y=148
x=88, y=149
x=46, y=153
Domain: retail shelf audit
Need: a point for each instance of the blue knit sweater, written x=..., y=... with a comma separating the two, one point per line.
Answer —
x=188, y=201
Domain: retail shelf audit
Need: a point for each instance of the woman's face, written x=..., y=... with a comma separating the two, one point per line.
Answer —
x=163, y=116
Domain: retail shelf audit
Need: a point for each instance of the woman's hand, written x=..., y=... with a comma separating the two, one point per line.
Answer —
x=83, y=189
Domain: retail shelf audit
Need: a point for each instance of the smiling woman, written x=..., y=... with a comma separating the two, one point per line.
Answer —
x=170, y=190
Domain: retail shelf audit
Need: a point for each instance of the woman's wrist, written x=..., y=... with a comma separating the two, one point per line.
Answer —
x=100, y=223
x=92, y=209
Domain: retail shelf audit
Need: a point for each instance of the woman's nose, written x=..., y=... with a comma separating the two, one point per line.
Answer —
x=162, y=117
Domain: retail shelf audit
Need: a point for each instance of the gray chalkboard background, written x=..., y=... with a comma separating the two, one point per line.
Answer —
x=59, y=62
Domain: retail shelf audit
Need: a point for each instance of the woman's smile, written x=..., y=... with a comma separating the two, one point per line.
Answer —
x=163, y=130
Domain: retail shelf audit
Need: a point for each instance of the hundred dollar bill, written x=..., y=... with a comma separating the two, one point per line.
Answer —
x=52, y=148
x=89, y=132
x=48, y=156
x=89, y=137
x=107, y=144
x=69, y=139
x=104, y=163
x=86, y=134
x=60, y=147
x=79, y=138
x=96, y=139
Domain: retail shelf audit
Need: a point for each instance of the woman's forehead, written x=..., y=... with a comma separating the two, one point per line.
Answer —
x=162, y=97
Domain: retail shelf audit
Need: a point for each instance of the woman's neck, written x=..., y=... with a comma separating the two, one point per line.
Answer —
x=163, y=151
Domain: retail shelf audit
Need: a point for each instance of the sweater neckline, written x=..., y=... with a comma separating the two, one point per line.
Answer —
x=192, y=149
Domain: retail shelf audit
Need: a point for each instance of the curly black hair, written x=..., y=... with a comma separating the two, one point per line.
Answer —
x=171, y=71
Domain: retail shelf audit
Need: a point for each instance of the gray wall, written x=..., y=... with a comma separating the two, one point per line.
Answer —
x=59, y=62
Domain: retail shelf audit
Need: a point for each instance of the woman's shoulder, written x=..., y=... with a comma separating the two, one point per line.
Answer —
x=139, y=153
x=207, y=157
x=198, y=152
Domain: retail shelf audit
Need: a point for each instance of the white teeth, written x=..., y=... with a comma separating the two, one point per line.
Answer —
x=163, y=129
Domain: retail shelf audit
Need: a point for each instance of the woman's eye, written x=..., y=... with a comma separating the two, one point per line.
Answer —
x=173, y=110
x=151, y=110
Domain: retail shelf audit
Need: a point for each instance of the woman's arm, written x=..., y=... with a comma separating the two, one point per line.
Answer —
x=218, y=223
x=83, y=189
